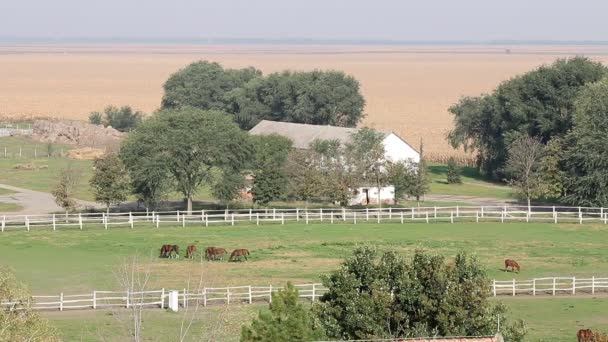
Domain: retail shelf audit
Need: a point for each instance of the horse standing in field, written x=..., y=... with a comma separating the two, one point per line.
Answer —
x=190, y=250
x=513, y=264
x=584, y=335
x=164, y=251
x=213, y=253
x=237, y=253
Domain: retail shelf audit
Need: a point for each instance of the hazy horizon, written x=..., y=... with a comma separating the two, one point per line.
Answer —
x=383, y=21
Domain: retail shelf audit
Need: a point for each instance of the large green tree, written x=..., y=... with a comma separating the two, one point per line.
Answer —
x=269, y=174
x=376, y=296
x=539, y=103
x=315, y=97
x=585, y=160
x=287, y=320
x=204, y=85
x=523, y=167
x=189, y=143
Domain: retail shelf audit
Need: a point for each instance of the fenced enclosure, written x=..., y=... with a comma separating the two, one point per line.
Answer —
x=206, y=218
x=249, y=294
x=20, y=129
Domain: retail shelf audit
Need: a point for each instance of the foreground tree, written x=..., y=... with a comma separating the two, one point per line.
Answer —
x=287, y=320
x=372, y=297
x=539, y=103
x=366, y=151
x=402, y=175
x=18, y=321
x=189, y=143
x=421, y=184
x=66, y=187
x=453, y=174
x=585, y=159
x=110, y=182
x=524, y=167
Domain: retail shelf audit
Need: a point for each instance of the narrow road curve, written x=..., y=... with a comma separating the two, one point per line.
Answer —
x=35, y=202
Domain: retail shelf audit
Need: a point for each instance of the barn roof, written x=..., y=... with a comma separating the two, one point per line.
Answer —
x=303, y=134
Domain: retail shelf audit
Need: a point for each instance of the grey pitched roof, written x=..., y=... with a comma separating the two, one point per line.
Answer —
x=303, y=134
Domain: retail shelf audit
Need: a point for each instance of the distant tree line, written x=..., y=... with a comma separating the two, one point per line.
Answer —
x=543, y=132
x=123, y=119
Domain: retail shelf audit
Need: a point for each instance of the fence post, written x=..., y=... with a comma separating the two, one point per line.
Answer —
x=131, y=218
x=477, y=216
x=513, y=287
x=457, y=211
x=177, y=216
x=282, y=218
x=593, y=285
x=313, y=292
x=274, y=214
x=482, y=211
x=105, y=220
x=203, y=215
x=555, y=217
x=402, y=217
x=573, y=285
x=502, y=217
x=232, y=219
x=366, y=214
x=61, y=301
x=413, y=214
x=162, y=298
x=354, y=217
x=184, y=220
x=331, y=217
x=494, y=287
x=528, y=216
x=580, y=217
x=435, y=212
x=228, y=295
x=250, y=298
x=321, y=214
x=378, y=214
x=128, y=298
x=80, y=220
x=206, y=220
x=605, y=218
x=157, y=221
x=3, y=222
x=270, y=293
x=451, y=217
x=185, y=303
x=94, y=299
x=250, y=214
x=257, y=219
x=534, y=287
x=54, y=223
x=554, y=286
x=343, y=214
x=390, y=213
x=297, y=214
x=27, y=223
x=427, y=217
x=204, y=296
x=306, y=216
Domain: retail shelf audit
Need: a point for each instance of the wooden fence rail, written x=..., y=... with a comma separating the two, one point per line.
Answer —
x=549, y=214
x=249, y=294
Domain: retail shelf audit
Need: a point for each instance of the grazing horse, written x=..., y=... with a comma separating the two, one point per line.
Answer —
x=584, y=335
x=213, y=253
x=511, y=263
x=190, y=251
x=237, y=253
x=165, y=250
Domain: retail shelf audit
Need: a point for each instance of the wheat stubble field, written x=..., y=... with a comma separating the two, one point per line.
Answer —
x=408, y=88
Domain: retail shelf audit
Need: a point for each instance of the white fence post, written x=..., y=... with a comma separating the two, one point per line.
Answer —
x=313, y=292
x=534, y=287
x=555, y=217
x=354, y=217
x=283, y=218
x=366, y=214
x=513, y=287
x=177, y=216
x=343, y=214
x=270, y=293
x=378, y=215
x=157, y=221
x=128, y=298
x=54, y=223
x=104, y=218
x=257, y=219
x=482, y=211
x=427, y=217
x=573, y=285
x=250, y=298
x=205, y=296
x=3, y=222
x=185, y=302
x=306, y=216
x=131, y=218
x=593, y=285
x=502, y=216
x=184, y=220
x=402, y=217
x=477, y=216
x=80, y=220
x=162, y=298
x=554, y=286
x=435, y=212
x=494, y=287
x=580, y=216
x=206, y=220
x=451, y=217
x=321, y=214
x=232, y=219
x=61, y=301
x=228, y=295
x=457, y=211
x=94, y=299
x=250, y=214
x=297, y=214
x=27, y=223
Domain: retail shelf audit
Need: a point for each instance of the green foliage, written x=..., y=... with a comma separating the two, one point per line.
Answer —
x=270, y=156
x=366, y=153
x=287, y=320
x=123, y=119
x=23, y=324
x=539, y=103
x=316, y=97
x=226, y=188
x=187, y=143
x=402, y=175
x=453, y=172
x=585, y=159
x=110, y=181
x=305, y=179
x=386, y=296
x=204, y=85
x=551, y=168
x=65, y=188
x=421, y=184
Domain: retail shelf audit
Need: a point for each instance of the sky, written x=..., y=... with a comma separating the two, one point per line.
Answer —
x=400, y=20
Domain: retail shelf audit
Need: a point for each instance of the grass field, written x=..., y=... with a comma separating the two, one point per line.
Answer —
x=73, y=261
x=408, y=89
x=473, y=184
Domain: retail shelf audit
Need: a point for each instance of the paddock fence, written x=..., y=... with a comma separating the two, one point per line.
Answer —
x=206, y=218
x=248, y=294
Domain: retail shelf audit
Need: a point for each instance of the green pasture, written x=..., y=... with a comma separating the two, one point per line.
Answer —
x=548, y=320
x=473, y=184
x=71, y=260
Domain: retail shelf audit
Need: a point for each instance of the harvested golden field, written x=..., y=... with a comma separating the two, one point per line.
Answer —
x=408, y=88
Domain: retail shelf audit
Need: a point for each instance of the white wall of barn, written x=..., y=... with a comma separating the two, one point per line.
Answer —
x=398, y=150
x=369, y=195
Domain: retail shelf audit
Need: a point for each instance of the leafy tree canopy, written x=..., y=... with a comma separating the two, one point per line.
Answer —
x=123, y=119
x=539, y=103
x=110, y=181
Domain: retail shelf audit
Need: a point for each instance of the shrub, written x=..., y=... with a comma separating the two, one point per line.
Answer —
x=453, y=172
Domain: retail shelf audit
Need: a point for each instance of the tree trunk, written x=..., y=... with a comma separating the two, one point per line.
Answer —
x=189, y=204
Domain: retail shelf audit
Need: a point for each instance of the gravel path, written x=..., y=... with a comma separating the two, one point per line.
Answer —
x=35, y=202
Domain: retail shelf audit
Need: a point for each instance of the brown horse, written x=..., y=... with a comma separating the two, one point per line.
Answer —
x=511, y=263
x=213, y=253
x=173, y=251
x=584, y=335
x=165, y=250
x=237, y=253
x=190, y=250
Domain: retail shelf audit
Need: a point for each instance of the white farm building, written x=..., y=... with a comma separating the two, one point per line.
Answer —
x=302, y=135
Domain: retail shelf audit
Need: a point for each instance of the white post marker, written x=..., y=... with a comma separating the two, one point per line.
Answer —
x=282, y=218
x=80, y=220
x=593, y=285
x=297, y=214
x=321, y=214
x=494, y=287
x=184, y=221
x=3, y=222
x=27, y=223
x=94, y=299
x=427, y=217
x=232, y=219
x=534, y=287
x=573, y=285
x=366, y=214
x=270, y=293
x=131, y=218
x=250, y=298
x=390, y=213
x=554, y=286
x=355, y=217
x=173, y=301
x=61, y=301
x=313, y=292
x=451, y=217
x=257, y=219
x=54, y=223
x=402, y=217
x=513, y=287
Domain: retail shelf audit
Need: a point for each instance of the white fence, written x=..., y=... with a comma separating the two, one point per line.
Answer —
x=250, y=294
x=550, y=214
x=550, y=286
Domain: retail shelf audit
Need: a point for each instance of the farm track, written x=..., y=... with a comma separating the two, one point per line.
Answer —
x=35, y=201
